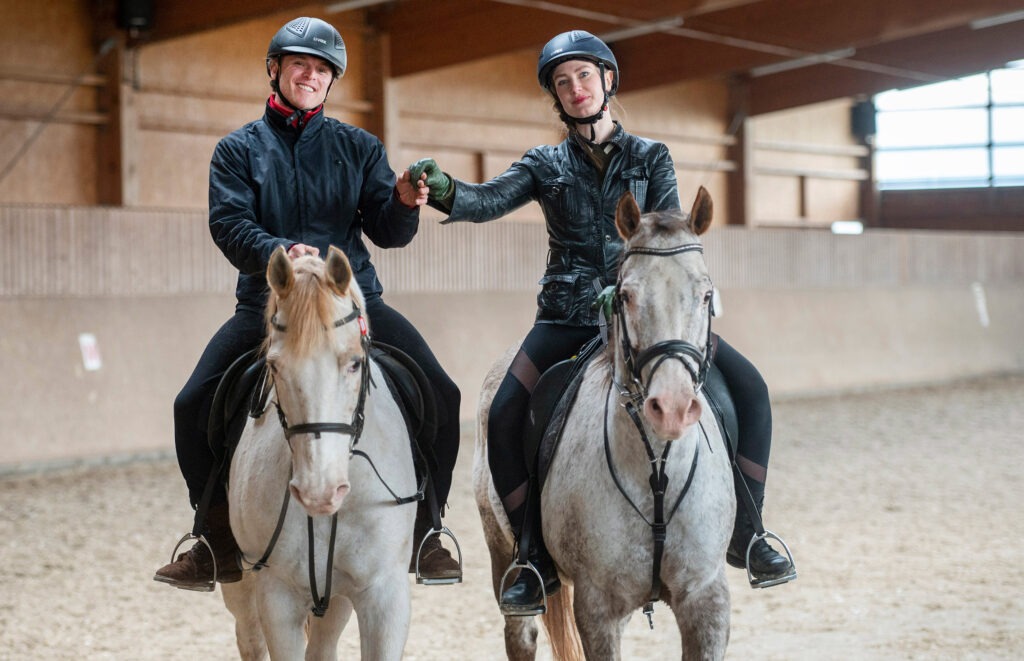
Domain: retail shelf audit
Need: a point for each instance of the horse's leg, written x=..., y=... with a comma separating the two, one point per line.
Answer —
x=240, y=599
x=383, y=612
x=703, y=619
x=283, y=614
x=324, y=632
x=599, y=621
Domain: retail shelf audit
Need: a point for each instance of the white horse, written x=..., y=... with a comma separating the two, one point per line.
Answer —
x=331, y=423
x=639, y=409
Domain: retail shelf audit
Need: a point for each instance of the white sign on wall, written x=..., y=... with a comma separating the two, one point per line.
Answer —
x=90, y=352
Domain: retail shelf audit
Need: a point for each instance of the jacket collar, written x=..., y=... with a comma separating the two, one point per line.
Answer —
x=284, y=117
x=617, y=139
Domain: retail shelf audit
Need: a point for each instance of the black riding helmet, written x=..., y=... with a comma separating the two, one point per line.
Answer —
x=577, y=45
x=310, y=36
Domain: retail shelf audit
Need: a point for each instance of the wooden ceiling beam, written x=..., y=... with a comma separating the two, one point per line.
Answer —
x=479, y=29
x=940, y=56
x=816, y=26
x=185, y=17
x=467, y=30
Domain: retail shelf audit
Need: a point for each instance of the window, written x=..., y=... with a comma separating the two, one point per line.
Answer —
x=958, y=133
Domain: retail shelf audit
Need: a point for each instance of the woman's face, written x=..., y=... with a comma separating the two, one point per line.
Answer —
x=305, y=80
x=578, y=86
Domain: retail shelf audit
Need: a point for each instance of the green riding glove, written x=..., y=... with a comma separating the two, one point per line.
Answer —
x=440, y=184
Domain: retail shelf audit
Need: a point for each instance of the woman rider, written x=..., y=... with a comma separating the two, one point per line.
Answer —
x=578, y=184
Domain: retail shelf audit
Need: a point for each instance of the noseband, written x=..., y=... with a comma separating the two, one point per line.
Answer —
x=680, y=350
x=354, y=428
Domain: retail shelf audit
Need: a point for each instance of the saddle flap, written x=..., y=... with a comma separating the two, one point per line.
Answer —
x=716, y=392
x=412, y=391
x=227, y=413
x=550, y=403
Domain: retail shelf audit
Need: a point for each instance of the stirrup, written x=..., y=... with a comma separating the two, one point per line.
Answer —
x=205, y=587
x=522, y=612
x=422, y=580
x=776, y=580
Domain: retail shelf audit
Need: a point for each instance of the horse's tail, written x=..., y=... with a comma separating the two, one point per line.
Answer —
x=560, y=625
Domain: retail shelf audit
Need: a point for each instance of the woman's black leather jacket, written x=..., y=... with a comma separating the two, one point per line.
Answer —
x=579, y=210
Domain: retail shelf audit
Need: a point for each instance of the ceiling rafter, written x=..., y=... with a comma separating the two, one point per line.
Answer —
x=790, y=50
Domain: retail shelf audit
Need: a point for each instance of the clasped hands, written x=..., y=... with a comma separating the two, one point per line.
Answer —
x=426, y=173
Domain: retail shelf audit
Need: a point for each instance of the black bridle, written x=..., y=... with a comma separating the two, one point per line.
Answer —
x=680, y=350
x=635, y=392
x=354, y=428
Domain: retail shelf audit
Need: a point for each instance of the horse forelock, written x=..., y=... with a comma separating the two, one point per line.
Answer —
x=309, y=307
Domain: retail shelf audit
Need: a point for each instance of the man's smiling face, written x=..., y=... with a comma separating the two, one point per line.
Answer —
x=305, y=79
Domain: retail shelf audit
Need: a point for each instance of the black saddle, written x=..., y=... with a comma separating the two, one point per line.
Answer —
x=555, y=394
x=244, y=388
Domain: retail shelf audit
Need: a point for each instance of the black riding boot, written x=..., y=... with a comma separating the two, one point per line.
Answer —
x=765, y=562
x=526, y=596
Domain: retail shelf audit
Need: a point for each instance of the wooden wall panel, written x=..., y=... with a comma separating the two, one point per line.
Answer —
x=45, y=47
x=806, y=167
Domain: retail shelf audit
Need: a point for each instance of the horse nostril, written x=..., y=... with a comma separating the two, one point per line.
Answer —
x=341, y=492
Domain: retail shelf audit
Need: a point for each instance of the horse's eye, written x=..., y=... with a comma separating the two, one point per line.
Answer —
x=708, y=296
x=354, y=366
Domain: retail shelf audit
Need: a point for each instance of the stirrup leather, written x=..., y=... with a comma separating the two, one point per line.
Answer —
x=423, y=580
x=777, y=580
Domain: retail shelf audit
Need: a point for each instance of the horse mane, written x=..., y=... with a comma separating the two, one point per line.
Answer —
x=310, y=306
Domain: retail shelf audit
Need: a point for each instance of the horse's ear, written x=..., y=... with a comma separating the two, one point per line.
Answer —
x=701, y=213
x=339, y=272
x=627, y=215
x=280, y=274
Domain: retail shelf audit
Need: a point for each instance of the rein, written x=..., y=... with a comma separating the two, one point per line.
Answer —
x=355, y=430
x=634, y=393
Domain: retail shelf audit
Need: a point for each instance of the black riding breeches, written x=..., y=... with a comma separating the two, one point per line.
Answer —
x=545, y=345
x=753, y=410
x=239, y=334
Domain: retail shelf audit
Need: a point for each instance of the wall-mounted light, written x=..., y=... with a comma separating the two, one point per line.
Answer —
x=847, y=227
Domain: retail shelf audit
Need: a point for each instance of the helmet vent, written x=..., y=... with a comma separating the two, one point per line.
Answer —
x=298, y=26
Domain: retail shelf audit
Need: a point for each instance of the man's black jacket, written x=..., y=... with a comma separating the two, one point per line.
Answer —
x=327, y=183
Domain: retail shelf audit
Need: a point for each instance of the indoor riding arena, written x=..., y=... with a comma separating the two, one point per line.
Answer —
x=874, y=277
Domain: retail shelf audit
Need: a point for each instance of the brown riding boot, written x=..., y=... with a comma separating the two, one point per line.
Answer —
x=193, y=570
x=436, y=563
